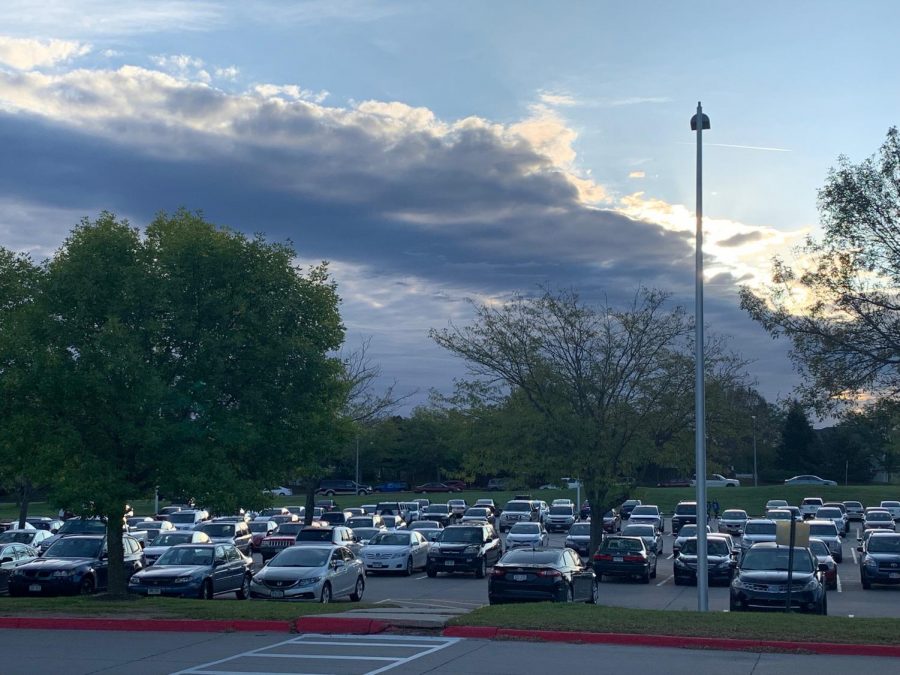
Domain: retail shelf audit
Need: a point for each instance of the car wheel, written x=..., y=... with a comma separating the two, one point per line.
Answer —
x=244, y=591
x=431, y=572
x=866, y=584
x=325, y=596
x=409, y=567
x=357, y=594
x=645, y=577
x=87, y=586
x=206, y=590
x=329, y=493
x=595, y=594
x=653, y=575
x=481, y=572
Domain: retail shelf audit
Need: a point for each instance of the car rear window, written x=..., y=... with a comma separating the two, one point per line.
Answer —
x=759, y=528
x=622, y=545
x=812, y=501
x=890, y=504
x=713, y=547
x=314, y=534
x=878, y=515
x=580, y=529
x=526, y=557
x=218, y=529
x=686, y=509
x=734, y=515
x=829, y=513
x=645, y=511
x=518, y=506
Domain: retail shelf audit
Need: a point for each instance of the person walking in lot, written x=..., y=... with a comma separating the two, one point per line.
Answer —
x=715, y=506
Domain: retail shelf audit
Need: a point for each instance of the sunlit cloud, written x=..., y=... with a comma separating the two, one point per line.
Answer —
x=27, y=54
x=637, y=174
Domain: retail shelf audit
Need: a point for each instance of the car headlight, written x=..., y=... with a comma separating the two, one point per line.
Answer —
x=870, y=562
x=184, y=580
x=62, y=573
x=680, y=563
x=471, y=550
x=738, y=584
x=400, y=554
x=811, y=585
x=309, y=581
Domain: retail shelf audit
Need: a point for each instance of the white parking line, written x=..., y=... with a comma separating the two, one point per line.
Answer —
x=839, y=589
x=424, y=576
x=853, y=551
x=670, y=556
x=666, y=580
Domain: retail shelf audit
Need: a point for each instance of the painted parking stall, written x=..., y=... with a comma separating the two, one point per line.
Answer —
x=315, y=654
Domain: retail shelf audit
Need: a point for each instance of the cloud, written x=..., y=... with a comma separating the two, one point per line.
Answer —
x=27, y=54
x=637, y=174
x=636, y=100
x=555, y=99
x=741, y=239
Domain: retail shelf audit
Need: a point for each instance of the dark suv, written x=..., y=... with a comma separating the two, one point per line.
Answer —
x=761, y=581
x=342, y=487
x=879, y=560
x=464, y=548
x=229, y=533
x=685, y=514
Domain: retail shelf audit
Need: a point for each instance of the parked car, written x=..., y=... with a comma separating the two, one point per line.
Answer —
x=496, y=484
x=716, y=480
x=281, y=491
x=625, y=557
x=327, y=505
x=364, y=521
x=336, y=536
x=457, y=485
x=425, y=488
x=412, y=510
x=167, y=511
x=229, y=533
x=148, y=530
x=527, y=535
x=808, y=479
x=732, y=521
x=393, y=523
x=259, y=530
x=627, y=507
x=392, y=486
x=879, y=560
x=478, y=513
x=26, y=537
x=719, y=558
x=188, y=519
x=75, y=564
x=823, y=556
x=893, y=508
x=13, y=555
x=611, y=522
x=685, y=513
x=855, y=510
x=275, y=511
x=539, y=575
x=320, y=573
x=517, y=510
x=757, y=530
x=363, y=535
x=430, y=529
x=809, y=506
x=403, y=551
x=457, y=507
x=44, y=523
x=828, y=532
x=285, y=535
x=167, y=540
x=196, y=571
x=878, y=519
x=836, y=516
x=686, y=532
x=651, y=536
x=329, y=488
x=578, y=539
x=74, y=526
x=560, y=518
x=647, y=514
x=776, y=504
x=439, y=512
x=464, y=548
x=761, y=580
x=391, y=509
x=341, y=517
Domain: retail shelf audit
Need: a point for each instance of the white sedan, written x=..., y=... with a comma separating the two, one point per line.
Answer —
x=718, y=480
x=530, y=535
x=396, y=551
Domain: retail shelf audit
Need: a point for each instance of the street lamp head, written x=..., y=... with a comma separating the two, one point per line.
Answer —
x=705, y=122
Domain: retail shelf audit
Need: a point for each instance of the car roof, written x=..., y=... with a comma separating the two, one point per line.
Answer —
x=760, y=520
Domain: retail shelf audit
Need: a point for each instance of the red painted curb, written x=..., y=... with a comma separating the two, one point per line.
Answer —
x=163, y=625
x=629, y=639
x=329, y=624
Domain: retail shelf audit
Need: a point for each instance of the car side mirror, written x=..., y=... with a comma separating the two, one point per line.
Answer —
x=859, y=549
x=337, y=564
x=823, y=567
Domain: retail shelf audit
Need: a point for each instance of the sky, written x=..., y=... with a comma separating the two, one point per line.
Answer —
x=448, y=152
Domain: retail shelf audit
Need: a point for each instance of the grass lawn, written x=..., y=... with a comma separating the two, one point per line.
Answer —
x=753, y=626
x=750, y=499
x=168, y=608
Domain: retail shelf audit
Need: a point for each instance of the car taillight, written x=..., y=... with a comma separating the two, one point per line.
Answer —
x=602, y=556
x=497, y=572
x=549, y=573
x=633, y=558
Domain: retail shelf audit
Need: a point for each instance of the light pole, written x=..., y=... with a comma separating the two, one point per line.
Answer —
x=357, y=459
x=699, y=122
x=755, y=474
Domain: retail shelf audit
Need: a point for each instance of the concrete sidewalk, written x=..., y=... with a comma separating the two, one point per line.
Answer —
x=402, y=617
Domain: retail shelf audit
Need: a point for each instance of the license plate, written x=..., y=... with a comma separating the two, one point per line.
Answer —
x=154, y=591
x=449, y=563
x=617, y=559
x=35, y=588
x=895, y=575
x=520, y=577
x=277, y=594
x=376, y=565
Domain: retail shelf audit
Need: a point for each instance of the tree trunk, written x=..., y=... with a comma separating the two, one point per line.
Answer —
x=118, y=579
x=597, y=498
x=310, y=500
x=24, y=498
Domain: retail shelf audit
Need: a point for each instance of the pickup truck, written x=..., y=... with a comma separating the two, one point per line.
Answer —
x=718, y=480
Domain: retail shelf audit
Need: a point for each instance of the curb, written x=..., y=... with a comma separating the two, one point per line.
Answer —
x=672, y=641
x=164, y=625
x=349, y=625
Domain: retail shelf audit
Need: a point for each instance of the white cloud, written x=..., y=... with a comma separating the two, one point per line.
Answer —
x=557, y=99
x=229, y=73
x=27, y=54
x=637, y=174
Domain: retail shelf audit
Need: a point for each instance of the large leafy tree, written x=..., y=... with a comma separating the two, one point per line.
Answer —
x=596, y=375
x=839, y=305
x=191, y=358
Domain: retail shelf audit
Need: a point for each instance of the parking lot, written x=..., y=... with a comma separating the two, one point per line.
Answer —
x=465, y=592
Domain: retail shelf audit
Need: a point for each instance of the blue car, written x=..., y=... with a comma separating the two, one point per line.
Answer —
x=392, y=486
x=196, y=571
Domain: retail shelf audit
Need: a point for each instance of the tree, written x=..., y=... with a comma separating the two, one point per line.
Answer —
x=596, y=375
x=795, y=453
x=841, y=309
x=192, y=358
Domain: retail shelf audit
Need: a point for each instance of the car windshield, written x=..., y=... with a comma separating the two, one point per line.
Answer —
x=301, y=556
x=622, y=545
x=775, y=560
x=17, y=537
x=525, y=528
x=759, y=528
x=83, y=526
x=688, y=531
x=734, y=515
x=182, y=517
x=878, y=515
x=461, y=535
x=259, y=526
x=686, y=509
x=560, y=510
x=218, y=529
x=518, y=507
x=884, y=544
x=390, y=521
x=853, y=505
x=820, y=530
x=776, y=503
x=645, y=511
x=365, y=532
x=313, y=534
x=389, y=539
x=288, y=530
x=186, y=555
x=172, y=538
x=890, y=504
x=75, y=548
x=580, y=529
x=477, y=513
x=819, y=548
x=438, y=508
x=425, y=525
x=457, y=502
x=713, y=547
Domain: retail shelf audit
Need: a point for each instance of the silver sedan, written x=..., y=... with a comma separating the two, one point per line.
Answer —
x=311, y=572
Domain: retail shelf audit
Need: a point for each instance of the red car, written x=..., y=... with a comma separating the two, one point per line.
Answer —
x=458, y=485
x=425, y=488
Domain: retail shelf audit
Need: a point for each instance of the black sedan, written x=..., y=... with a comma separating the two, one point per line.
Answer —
x=625, y=557
x=529, y=575
x=720, y=561
x=196, y=571
x=73, y=565
x=879, y=560
x=762, y=580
